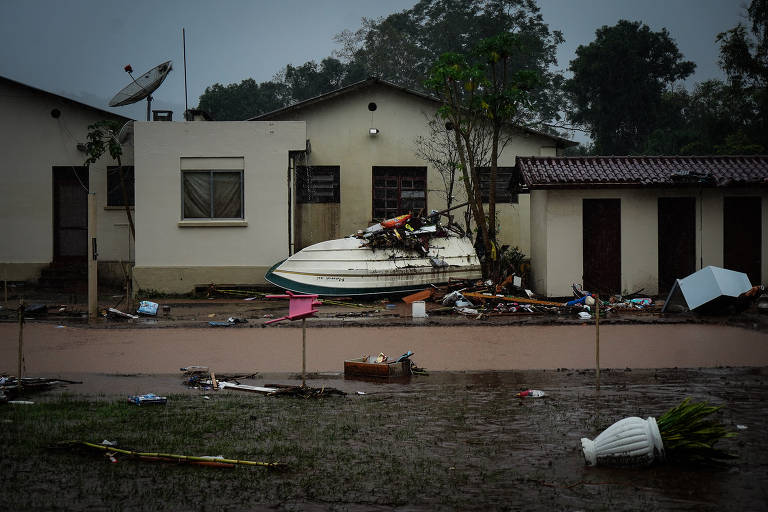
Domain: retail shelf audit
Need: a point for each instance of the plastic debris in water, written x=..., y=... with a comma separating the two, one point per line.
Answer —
x=531, y=393
x=149, y=398
x=147, y=308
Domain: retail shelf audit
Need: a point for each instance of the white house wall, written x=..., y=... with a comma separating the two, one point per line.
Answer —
x=176, y=255
x=338, y=133
x=32, y=142
x=557, y=242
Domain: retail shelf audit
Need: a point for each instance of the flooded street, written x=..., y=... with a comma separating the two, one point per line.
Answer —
x=448, y=441
x=50, y=349
x=457, y=439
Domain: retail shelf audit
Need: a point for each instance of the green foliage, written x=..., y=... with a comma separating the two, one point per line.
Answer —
x=744, y=58
x=102, y=138
x=481, y=92
x=405, y=46
x=237, y=102
x=402, y=48
x=689, y=434
x=618, y=84
x=312, y=79
x=721, y=117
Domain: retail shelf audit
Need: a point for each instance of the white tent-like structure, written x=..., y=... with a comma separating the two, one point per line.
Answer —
x=708, y=289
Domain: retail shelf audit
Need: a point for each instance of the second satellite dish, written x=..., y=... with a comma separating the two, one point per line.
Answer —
x=143, y=86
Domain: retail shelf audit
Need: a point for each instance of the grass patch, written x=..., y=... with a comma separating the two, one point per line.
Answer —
x=446, y=446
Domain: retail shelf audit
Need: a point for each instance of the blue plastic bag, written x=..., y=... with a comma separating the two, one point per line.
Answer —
x=147, y=308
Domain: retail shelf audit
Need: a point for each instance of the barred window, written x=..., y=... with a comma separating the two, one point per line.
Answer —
x=507, y=184
x=398, y=190
x=317, y=184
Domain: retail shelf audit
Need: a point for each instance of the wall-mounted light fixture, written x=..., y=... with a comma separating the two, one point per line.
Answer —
x=372, y=131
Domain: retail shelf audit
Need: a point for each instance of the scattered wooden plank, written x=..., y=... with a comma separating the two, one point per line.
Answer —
x=243, y=387
x=522, y=300
x=422, y=295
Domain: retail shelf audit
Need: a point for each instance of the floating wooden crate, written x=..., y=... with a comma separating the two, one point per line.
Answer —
x=361, y=368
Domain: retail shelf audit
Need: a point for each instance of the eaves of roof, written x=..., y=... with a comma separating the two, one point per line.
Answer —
x=64, y=98
x=643, y=172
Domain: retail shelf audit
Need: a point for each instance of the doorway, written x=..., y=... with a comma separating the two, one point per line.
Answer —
x=677, y=240
x=602, y=245
x=742, y=236
x=70, y=214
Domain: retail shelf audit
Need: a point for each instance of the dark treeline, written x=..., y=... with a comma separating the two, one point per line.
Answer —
x=624, y=90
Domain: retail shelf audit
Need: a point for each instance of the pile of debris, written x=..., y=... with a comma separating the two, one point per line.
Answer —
x=510, y=297
x=202, y=377
x=408, y=232
x=11, y=388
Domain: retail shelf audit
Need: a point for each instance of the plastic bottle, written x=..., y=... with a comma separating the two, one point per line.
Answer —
x=531, y=393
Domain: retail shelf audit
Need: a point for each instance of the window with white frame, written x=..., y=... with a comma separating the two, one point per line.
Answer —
x=212, y=194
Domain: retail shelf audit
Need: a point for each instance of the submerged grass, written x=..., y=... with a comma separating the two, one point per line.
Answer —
x=450, y=446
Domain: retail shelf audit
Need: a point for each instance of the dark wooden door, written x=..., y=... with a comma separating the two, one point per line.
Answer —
x=677, y=240
x=602, y=245
x=742, y=236
x=70, y=214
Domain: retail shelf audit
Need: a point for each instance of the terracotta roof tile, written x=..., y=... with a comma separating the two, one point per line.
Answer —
x=547, y=172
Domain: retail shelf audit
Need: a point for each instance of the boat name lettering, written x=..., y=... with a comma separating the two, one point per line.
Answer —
x=332, y=278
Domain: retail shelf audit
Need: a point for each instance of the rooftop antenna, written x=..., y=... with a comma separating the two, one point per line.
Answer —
x=184, y=45
x=141, y=87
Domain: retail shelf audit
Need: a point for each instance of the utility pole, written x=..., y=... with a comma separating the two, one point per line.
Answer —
x=93, y=262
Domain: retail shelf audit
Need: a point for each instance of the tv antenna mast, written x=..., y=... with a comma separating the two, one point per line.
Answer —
x=141, y=87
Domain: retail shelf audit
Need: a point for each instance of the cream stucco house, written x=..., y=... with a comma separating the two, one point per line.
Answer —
x=622, y=224
x=212, y=201
x=316, y=170
x=221, y=202
x=44, y=192
x=362, y=164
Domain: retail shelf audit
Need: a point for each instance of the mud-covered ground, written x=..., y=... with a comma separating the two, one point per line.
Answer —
x=457, y=439
x=449, y=441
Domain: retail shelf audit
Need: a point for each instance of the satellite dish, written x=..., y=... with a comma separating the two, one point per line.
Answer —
x=142, y=87
x=126, y=133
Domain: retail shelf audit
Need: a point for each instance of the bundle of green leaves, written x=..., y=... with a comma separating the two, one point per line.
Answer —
x=689, y=433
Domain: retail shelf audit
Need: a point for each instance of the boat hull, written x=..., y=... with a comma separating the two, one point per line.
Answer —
x=345, y=267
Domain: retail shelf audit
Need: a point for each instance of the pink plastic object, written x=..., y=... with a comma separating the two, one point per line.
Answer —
x=300, y=306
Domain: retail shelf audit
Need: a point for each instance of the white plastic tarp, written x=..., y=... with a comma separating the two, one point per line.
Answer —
x=708, y=284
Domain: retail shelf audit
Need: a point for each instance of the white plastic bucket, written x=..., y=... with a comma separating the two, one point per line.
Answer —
x=418, y=309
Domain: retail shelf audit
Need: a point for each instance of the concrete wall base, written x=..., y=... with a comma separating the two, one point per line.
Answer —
x=27, y=272
x=186, y=279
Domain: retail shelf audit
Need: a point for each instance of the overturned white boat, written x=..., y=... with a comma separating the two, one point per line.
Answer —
x=353, y=266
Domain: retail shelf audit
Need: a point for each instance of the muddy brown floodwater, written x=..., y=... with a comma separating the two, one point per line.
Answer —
x=49, y=348
x=463, y=418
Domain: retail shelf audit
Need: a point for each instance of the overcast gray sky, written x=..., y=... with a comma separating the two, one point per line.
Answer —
x=78, y=48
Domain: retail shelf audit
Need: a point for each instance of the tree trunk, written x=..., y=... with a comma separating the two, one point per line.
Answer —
x=474, y=195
